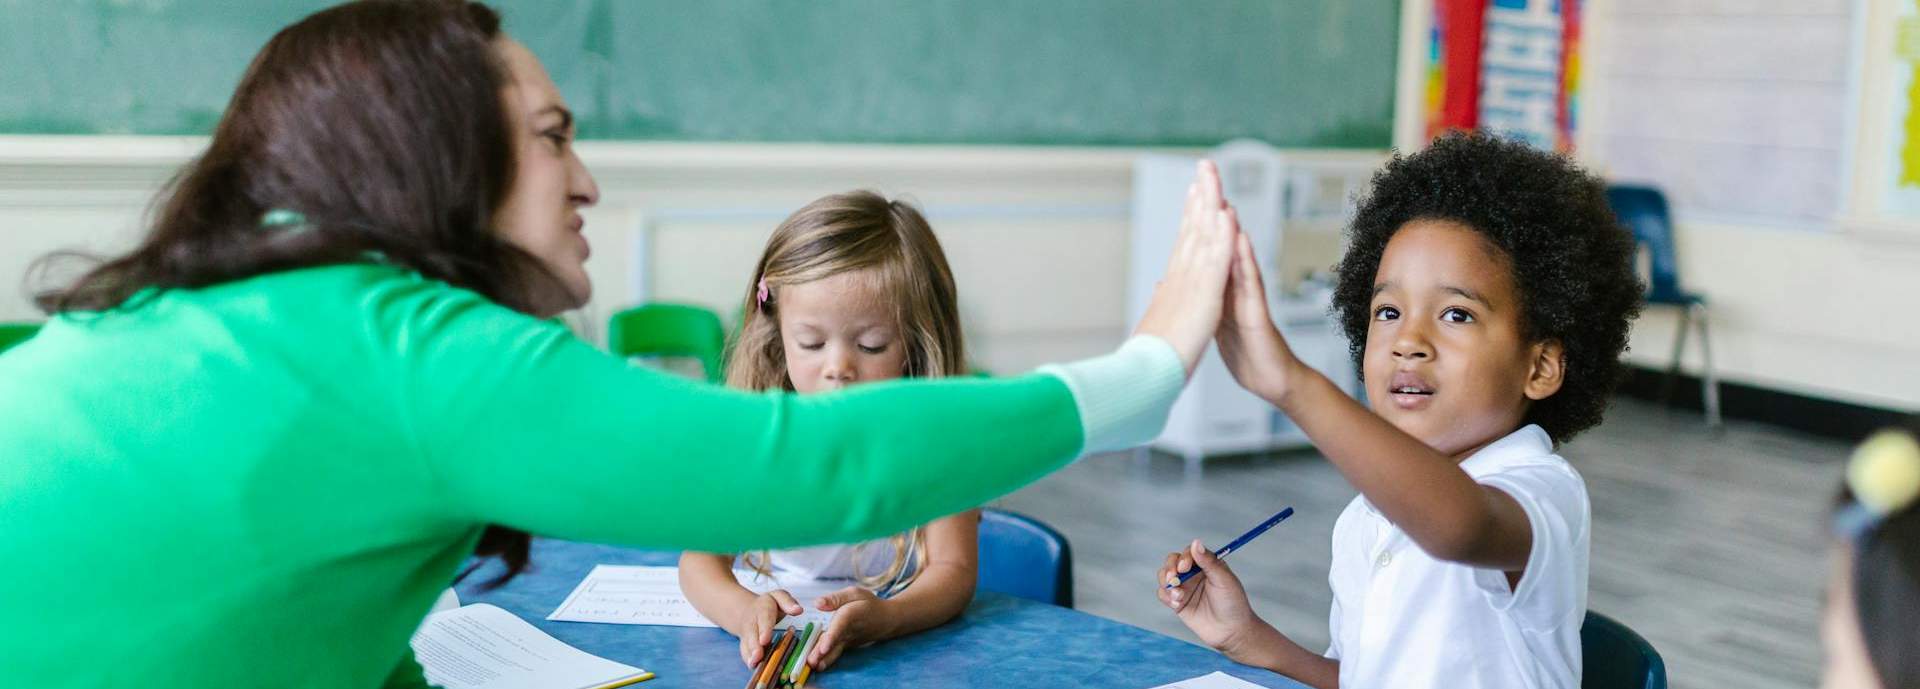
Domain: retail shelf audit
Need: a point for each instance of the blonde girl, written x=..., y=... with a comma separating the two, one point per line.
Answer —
x=851, y=289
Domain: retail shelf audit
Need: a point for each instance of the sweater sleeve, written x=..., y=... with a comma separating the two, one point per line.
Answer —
x=522, y=424
x=1123, y=398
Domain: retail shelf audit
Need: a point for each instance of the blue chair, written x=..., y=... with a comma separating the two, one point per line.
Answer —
x=1644, y=211
x=1614, y=657
x=1019, y=556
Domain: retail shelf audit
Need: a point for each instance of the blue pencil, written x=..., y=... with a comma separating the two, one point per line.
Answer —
x=1242, y=540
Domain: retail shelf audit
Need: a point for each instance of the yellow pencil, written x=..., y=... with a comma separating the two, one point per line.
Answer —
x=642, y=677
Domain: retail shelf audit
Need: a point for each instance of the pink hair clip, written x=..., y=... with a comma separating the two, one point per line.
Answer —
x=762, y=294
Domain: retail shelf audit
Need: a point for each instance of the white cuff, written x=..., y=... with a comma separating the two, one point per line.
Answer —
x=1124, y=397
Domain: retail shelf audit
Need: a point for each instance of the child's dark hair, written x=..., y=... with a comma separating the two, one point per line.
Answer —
x=1886, y=588
x=1572, y=260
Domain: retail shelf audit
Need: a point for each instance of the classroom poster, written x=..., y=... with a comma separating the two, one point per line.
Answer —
x=1900, y=197
x=1505, y=66
x=1453, y=65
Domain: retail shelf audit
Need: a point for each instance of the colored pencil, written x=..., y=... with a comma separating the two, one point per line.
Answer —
x=1235, y=545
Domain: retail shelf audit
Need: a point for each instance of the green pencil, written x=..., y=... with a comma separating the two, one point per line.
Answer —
x=786, y=671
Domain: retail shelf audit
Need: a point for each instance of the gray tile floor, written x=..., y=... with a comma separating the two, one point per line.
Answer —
x=1712, y=547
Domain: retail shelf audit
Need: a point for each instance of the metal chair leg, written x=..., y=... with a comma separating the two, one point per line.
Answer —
x=1679, y=347
x=1709, y=379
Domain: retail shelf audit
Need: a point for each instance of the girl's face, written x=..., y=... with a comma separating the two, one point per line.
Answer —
x=1446, y=358
x=1847, y=664
x=541, y=211
x=838, y=331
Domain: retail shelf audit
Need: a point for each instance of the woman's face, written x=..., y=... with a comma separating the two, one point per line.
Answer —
x=541, y=211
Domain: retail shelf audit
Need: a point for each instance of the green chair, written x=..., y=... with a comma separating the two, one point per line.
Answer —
x=15, y=333
x=669, y=330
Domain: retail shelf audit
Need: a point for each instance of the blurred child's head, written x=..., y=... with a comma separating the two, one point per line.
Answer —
x=1873, y=597
x=851, y=288
x=1486, y=286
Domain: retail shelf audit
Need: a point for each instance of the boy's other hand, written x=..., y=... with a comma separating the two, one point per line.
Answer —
x=1212, y=603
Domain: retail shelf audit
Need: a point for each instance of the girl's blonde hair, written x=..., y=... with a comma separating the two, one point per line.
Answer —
x=844, y=233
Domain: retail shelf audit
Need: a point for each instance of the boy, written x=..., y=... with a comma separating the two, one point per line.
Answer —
x=1487, y=292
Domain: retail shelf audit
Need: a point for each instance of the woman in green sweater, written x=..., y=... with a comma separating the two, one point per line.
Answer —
x=253, y=450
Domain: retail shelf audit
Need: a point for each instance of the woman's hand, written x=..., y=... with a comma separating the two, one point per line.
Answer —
x=756, y=621
x=1186, y=305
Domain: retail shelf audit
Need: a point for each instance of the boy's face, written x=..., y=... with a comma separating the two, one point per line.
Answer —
x=1446, y=359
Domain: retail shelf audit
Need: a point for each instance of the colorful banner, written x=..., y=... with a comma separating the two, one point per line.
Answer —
x=1505, y=66
x=1901, y=196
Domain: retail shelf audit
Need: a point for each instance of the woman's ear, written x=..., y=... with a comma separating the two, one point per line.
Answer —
x=1547, y=369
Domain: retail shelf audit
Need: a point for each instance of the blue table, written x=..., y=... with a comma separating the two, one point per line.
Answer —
x=1000, y=641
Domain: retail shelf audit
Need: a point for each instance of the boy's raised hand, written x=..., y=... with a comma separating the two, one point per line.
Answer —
x=1186, y=307
x=1251, y=346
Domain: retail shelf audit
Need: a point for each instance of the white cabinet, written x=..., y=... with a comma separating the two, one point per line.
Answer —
x=1270, y=191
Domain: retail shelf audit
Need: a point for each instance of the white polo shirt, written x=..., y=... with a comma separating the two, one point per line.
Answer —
x=1404, y=620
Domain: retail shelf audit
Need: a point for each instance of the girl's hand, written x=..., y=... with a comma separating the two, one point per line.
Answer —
x=1186, y=305
x=1249, y=344
x=1212, y=603
x=858, y=615
x=757, y=620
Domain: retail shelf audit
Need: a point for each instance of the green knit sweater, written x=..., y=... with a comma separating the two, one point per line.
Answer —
x=266, y=482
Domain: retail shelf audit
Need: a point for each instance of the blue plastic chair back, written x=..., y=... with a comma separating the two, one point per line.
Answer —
x=1644, y=211
x=1019, y=556
x=1615, y=657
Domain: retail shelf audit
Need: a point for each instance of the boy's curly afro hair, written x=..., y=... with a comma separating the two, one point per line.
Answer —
x=1572, y=260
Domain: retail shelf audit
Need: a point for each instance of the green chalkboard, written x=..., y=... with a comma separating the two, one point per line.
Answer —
x=1088, y=72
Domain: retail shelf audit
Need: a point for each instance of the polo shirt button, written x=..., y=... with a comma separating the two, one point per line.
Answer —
x=1386, y=558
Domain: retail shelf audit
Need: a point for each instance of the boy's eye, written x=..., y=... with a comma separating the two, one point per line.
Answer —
x=1386, y=313
x=1456, y=315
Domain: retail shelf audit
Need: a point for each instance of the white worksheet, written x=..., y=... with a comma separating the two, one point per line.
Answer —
x=1217, y=680
x=484, y=647
x=626, y=594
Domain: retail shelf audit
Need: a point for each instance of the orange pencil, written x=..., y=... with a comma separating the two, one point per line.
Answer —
x=755, y=680
x=779, y=654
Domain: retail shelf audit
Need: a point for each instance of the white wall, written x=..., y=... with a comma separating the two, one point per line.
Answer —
x=1803, y=300
x=1814, y=303
x=1037, y=236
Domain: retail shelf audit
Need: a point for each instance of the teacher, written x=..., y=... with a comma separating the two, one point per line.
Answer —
x=254, y=449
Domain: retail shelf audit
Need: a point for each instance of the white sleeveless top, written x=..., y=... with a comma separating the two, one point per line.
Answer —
x=834, y=562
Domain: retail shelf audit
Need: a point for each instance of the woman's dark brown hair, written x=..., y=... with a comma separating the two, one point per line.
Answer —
x=380, y=123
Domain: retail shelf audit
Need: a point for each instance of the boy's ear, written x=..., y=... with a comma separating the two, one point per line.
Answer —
x=1547, y=369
